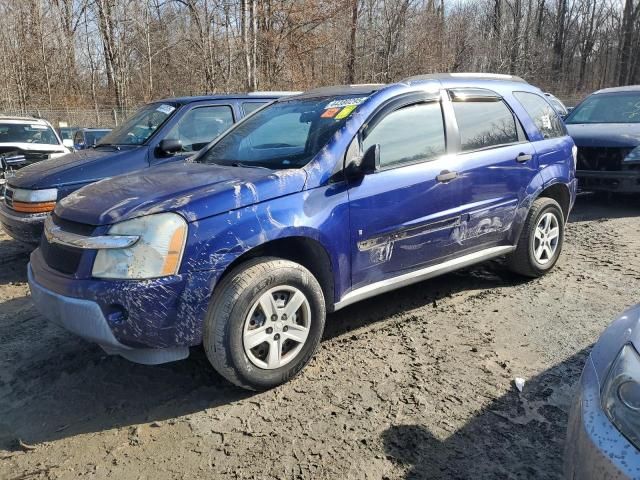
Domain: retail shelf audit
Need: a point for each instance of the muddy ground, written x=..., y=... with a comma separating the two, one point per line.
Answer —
x=417, y=383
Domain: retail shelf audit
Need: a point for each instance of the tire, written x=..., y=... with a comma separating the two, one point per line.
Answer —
x=526, y=260
x=244, y=303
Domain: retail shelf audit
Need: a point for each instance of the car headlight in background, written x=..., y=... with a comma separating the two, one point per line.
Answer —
x=157, y=253
x=621, y=394
x=633, y=156
x=33, y=201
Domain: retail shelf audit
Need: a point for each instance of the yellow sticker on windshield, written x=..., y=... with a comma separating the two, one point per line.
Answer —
x=345, y=112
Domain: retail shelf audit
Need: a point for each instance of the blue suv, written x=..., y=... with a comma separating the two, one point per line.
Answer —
x=160, y=132
x=311, y=204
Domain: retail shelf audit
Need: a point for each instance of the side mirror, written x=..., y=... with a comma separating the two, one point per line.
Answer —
x=67, y=142
x=371, y=160
x=364, y=164
x=169, y=146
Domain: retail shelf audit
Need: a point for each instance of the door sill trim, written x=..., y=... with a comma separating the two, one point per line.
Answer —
x=403, y=280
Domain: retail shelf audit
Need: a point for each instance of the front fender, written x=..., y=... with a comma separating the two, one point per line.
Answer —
x=321, y=214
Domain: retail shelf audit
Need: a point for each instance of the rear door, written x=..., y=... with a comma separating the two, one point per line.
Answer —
x=493, y=166
x=555, y=154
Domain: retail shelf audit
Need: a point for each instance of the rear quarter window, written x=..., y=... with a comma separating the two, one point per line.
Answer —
x=543, y=115
x=484, y=124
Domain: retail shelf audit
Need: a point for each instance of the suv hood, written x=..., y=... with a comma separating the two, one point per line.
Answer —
x=605, y=134
x=193, y=190
x=68, y=169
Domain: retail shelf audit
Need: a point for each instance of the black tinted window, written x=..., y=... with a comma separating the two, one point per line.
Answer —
x=409, y=134
x=484, y=124
x=542, y=114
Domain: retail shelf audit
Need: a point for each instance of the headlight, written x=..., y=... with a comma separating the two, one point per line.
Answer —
x=633, y=156
x=157, y=252
x=621, y=394
x=33, y=201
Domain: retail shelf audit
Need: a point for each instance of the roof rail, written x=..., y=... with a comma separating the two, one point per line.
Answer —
x=469, y=75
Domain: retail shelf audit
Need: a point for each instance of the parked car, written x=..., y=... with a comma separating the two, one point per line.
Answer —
x=557, y=104
x=606, y=129
x=311, y=204
x=88, y=137
x=160, y=132
x=67, y=134
x=603, y=437
x=24, y=141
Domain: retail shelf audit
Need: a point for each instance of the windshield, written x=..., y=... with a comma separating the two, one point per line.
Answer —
x=140, y=126
x=286, y=134
x=608, y=108
x=27, y=133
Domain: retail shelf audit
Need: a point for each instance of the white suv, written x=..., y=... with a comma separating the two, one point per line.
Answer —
x=24, y=141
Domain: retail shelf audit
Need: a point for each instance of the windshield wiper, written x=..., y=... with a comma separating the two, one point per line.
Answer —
x=111, y=145
x=244, y=165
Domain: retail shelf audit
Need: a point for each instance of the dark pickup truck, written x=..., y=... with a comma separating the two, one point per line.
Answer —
x=164, y=131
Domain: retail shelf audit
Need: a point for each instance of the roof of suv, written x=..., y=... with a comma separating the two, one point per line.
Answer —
x=227, y=96
x=466, y=76
x=628, y=88
x=442, y=78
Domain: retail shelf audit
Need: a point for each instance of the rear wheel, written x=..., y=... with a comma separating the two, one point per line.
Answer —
x=265, y=322
x=541, y=240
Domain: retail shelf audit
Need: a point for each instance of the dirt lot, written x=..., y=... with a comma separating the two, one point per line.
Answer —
x=414, y=384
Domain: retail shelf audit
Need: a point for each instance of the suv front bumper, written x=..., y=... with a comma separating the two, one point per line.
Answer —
x=25, y=227
x=85, y=319
x=622, y=181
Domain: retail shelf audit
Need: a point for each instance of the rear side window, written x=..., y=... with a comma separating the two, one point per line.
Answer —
x=408, y=135
x=484, y=124
x=542, y=114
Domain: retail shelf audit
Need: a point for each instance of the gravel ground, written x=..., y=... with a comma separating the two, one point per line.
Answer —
x=417, y=383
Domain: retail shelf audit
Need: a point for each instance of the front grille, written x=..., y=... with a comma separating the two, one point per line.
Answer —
x=603, y=159
x=62, y=258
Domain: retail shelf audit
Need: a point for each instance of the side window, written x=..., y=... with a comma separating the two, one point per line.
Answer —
x=409, y=134
x=484, y=124
x=201, y=125
x=542, y=114
x=250, y=107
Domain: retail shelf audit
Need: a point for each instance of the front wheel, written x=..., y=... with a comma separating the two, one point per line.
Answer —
x=541, y=240
x=265, y=322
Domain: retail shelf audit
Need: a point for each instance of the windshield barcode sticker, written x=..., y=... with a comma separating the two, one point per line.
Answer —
x=345, y=102
x=166, y=109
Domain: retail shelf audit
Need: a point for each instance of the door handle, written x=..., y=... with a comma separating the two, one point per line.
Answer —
x=446, y=176
x=523, y=157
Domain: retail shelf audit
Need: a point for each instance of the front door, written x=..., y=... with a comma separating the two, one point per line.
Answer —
x=400, y=215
